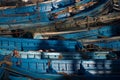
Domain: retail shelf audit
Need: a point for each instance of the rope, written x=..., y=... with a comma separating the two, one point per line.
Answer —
x=5, y=62
x=11, y=70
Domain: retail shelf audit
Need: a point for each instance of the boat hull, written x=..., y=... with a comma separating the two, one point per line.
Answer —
x=43, y=18
x=101, y=32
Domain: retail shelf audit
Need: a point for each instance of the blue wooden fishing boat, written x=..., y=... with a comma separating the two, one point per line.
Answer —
x=61, y=55
x=94, y=33
x=23, y=16
x=55, y=49
x=60, y=69
x=44, y=6
x=51, y=65
x=62, y=45
x=100, y=32
x=40, y=59
x=35, y=44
